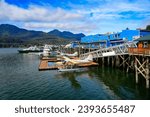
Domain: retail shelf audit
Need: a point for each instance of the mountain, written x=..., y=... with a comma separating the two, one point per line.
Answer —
x=13, y=34
x=66, y=34
x=10, y=33
x=55, y=32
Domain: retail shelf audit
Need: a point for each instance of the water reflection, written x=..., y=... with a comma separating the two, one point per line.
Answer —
x=122, y=83
x=115, y=81
x=72, y=77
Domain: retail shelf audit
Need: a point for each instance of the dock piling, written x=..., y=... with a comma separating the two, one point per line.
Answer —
x=147, y=73
x=136, y=71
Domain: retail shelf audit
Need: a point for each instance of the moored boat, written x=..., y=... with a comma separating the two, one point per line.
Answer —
x=30, y=49
x=46, y=51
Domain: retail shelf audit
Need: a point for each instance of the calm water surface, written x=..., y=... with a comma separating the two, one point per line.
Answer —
x=20, y=79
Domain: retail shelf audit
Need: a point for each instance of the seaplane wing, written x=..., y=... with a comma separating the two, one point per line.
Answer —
x=72, y=55
x=86, y=60
x=69, y=55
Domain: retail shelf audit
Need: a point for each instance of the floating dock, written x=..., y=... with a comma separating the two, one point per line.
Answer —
x=44, y=65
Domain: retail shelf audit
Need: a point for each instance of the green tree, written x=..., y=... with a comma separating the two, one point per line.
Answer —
x=148, y=27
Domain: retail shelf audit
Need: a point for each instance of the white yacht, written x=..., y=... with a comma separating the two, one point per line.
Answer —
x=47, y=50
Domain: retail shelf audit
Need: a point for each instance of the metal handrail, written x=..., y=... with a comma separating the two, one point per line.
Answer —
x=118, y=50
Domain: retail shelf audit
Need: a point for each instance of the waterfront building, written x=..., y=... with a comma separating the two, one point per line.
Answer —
x=112, y=39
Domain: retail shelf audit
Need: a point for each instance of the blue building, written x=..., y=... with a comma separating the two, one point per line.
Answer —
x=106, y=40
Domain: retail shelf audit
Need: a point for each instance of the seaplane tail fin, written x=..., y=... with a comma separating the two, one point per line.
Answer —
x=89, y=58
x=72, y=55
x=75, y=53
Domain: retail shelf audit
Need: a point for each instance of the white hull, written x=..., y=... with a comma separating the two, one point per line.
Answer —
x=47, y=50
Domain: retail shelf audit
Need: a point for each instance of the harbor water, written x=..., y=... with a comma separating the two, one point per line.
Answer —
x=21, y=80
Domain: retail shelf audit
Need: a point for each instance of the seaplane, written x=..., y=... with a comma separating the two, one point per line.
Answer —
x=72, y=64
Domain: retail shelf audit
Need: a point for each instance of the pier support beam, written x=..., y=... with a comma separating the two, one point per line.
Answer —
x=128, y=62
x=108, y=61
x=117, y=61
x=147, y=83
x=142, y=67
x=136, y=71
x=103, y=61
x=124, y=61
x=113, y=61
x=147, y=73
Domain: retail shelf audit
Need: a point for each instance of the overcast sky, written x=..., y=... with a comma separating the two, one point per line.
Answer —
x=86, y=16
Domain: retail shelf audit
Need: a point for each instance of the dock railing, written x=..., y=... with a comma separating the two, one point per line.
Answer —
x=139, y=51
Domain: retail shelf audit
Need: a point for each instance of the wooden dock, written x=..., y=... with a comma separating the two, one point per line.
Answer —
x=53, y=59
x=44, y=65
x=88, y=64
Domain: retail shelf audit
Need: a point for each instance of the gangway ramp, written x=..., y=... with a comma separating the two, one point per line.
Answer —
x=121, y=49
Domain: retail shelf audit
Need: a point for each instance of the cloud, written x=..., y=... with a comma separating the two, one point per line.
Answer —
x=36, y=13
x=44, y=17
x=115, y=7
x=95, y=16
x=121, y=14
x=75, y=27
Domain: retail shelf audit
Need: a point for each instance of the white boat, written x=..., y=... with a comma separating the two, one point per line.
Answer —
x=30, y=49
x=46, y=51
